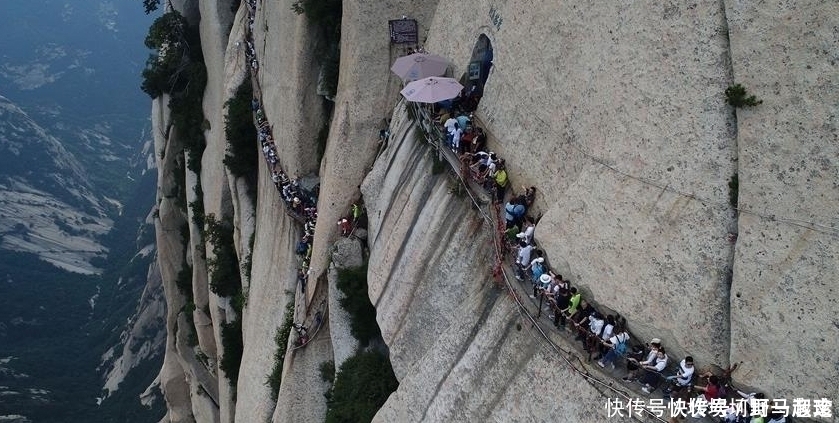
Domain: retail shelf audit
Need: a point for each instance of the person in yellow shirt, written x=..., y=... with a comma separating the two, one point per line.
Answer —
x=501, y=182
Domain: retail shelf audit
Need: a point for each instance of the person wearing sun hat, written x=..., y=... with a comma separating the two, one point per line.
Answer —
x=544, y=285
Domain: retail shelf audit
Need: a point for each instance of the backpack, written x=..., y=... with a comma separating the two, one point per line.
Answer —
x=621, y=347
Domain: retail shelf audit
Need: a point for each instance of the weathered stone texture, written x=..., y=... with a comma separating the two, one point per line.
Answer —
x=347, y=254
x=288, y=75
x=273, y=284
x=427, y=251
x=615, y=112
x=224, y=75
x=301, y=394
x=458, y=345
x=170, y=252
x=367, y=91
x=787, y=259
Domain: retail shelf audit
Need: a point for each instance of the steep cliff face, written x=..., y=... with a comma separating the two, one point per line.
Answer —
x=788, y=242
x=170, y=247
x=616, y=113
x=366, y=94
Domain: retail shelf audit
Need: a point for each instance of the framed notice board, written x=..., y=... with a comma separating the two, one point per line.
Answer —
x=403, y=31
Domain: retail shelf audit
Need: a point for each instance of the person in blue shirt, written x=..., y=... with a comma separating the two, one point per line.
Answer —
x=513, y=212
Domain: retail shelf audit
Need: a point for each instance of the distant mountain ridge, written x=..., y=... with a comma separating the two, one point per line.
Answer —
x=76, y=345
x=47, y=204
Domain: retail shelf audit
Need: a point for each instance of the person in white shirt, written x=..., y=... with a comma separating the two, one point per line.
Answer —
x=654, y=370
x=523, y=259
x=456, y=134
x=634, y=366
x=683, y=377
x=544, y=283
x=685, y=374
x=529, y=228
x=450, y=125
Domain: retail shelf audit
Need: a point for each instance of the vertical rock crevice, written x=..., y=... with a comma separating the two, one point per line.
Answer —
x=733, y=184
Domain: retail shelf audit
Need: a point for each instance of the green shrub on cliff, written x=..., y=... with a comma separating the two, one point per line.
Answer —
x=226, y=281
x=167, y=36
x=242, y=155
x=281, y=339
x=733, y=190
x=151, y=5
x=231, y=341
x=177, y=68
x=363, y=384
x=223, y=266
x=327, y=371
x=197, y=207
x=737, y=96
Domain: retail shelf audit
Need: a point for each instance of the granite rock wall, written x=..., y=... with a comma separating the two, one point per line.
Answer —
x=616, y=112
x=787, y=257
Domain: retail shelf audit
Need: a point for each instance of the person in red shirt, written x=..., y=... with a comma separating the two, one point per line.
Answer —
x=712, y=390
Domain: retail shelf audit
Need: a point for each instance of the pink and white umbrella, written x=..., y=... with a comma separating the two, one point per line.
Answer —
x=431, y=89
x=419, y=65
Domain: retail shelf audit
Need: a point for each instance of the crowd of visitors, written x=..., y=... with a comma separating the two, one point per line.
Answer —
x=300, y=203
x=604, y=336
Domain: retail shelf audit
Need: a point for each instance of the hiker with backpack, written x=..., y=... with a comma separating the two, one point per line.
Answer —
x=618, y=346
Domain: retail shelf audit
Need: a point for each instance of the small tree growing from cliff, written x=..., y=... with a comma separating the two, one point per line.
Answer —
x=275, y=379
x=225, y=279
x=241, y=157
x=733, y=190
x=150, y=5
x=177, y=68
x=737, y=96
x=167, y=36
x=233, y=347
